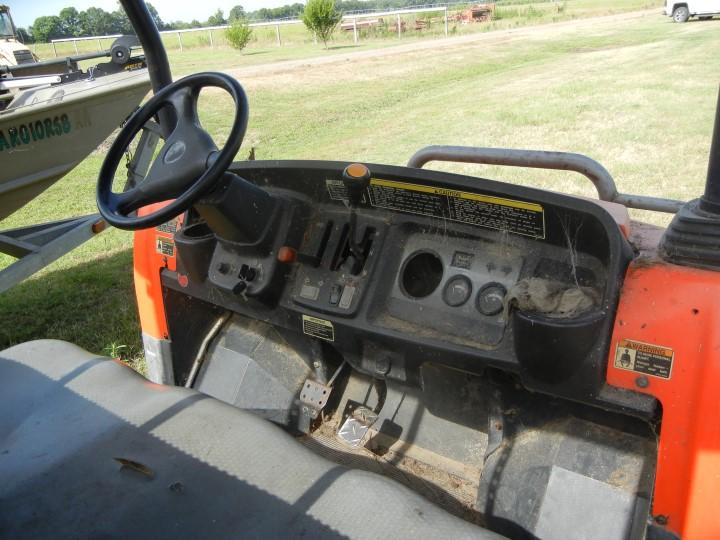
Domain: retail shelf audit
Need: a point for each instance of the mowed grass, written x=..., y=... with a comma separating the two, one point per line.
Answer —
x=636, y=94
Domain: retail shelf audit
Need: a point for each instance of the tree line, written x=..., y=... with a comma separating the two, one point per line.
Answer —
x=97, y=22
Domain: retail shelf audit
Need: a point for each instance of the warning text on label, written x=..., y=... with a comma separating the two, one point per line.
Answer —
x=644, y=358
x=518, y=217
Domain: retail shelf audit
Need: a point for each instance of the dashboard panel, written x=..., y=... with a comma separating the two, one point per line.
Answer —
x=457, y=270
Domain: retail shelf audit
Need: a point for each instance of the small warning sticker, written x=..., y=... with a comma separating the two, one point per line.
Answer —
x=168, y=227
x=319, y=328
x=165, y=246
x=518, y=217
x=336, y=190
x=644, y=358
x=463, y=260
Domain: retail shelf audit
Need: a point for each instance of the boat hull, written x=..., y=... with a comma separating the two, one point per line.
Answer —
x=46, y=132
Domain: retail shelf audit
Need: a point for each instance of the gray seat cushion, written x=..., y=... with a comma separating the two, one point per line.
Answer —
x=196, y=466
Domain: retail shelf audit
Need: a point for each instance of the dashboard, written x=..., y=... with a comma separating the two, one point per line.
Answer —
x=432, y=267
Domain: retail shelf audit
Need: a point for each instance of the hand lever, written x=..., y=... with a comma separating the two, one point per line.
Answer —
x=356, y=178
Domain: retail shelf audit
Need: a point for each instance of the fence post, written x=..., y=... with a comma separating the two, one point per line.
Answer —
x=99, y=45
x=180, y=41
x=277, y=33
x=446, y=21
x=75, y=44
x=211, y=39
x=399, y=26
x=54, y=49
x=355, y=36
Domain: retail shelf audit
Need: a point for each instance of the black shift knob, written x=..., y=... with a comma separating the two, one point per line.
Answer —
x=356, y=178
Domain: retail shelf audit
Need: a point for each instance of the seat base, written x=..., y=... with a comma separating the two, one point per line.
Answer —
x=89, y=448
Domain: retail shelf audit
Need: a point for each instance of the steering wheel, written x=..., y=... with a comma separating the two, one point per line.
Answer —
x=187, y=166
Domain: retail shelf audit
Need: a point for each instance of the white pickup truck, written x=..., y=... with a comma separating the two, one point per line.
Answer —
x=682, y=10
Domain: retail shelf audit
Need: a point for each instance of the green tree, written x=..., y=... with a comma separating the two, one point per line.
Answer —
x=121, y=23
x=238, y=12
x=70, y=19
x=239, y=33
x=96, y=22
x=46, y=28
x=321, y=18
x=282, y=12
x=217, y=20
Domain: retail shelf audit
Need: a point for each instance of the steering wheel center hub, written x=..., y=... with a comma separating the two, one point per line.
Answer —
x=175, y=152
x=183, y=171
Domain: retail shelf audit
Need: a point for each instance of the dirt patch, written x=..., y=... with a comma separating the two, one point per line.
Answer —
x=455, y=493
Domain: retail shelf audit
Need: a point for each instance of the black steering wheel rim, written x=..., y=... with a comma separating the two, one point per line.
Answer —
x=217, y=162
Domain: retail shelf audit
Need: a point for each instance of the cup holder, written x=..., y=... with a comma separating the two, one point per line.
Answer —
x=195, y=245
x=421, y=274
x=551, y=349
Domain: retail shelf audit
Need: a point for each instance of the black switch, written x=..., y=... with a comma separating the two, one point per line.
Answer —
x=312, y=250
x=335, y=294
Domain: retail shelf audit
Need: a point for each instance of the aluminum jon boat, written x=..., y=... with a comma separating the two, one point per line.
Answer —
x=53, y=114
x=47, y=130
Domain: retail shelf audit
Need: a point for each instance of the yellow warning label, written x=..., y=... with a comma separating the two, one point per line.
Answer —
x=319, y=328
x=461, y=194
x=519, y=217
x=645, y=358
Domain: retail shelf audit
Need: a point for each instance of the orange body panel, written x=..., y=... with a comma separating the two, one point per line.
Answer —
x=148, y=263
x=677, y=307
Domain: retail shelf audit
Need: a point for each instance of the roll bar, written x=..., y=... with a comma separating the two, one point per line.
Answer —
x=154, y=50
x=538, y=159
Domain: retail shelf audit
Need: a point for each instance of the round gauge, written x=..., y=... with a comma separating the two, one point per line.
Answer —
x=490, y=299
x=457, y=291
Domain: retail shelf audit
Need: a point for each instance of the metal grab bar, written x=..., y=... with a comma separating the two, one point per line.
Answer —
x=539, y=159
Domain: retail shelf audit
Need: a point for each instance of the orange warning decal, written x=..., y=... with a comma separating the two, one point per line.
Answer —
x=644, y=358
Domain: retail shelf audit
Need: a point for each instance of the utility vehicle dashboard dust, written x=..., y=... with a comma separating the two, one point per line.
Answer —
x=394, y=267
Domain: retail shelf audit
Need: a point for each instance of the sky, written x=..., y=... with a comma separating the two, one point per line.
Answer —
x=25, y=12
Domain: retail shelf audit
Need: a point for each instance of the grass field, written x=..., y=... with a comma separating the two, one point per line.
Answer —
x=637, y=94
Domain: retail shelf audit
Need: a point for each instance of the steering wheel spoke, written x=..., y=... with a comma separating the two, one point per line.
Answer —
x=127, y=201
x=184, y=102
x=134, y=199
x=183, y=169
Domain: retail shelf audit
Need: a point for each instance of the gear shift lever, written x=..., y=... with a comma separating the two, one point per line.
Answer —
x=356, y=178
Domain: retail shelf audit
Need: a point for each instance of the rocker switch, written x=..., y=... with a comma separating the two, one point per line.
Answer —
x=335, y=294
x=346, y=297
